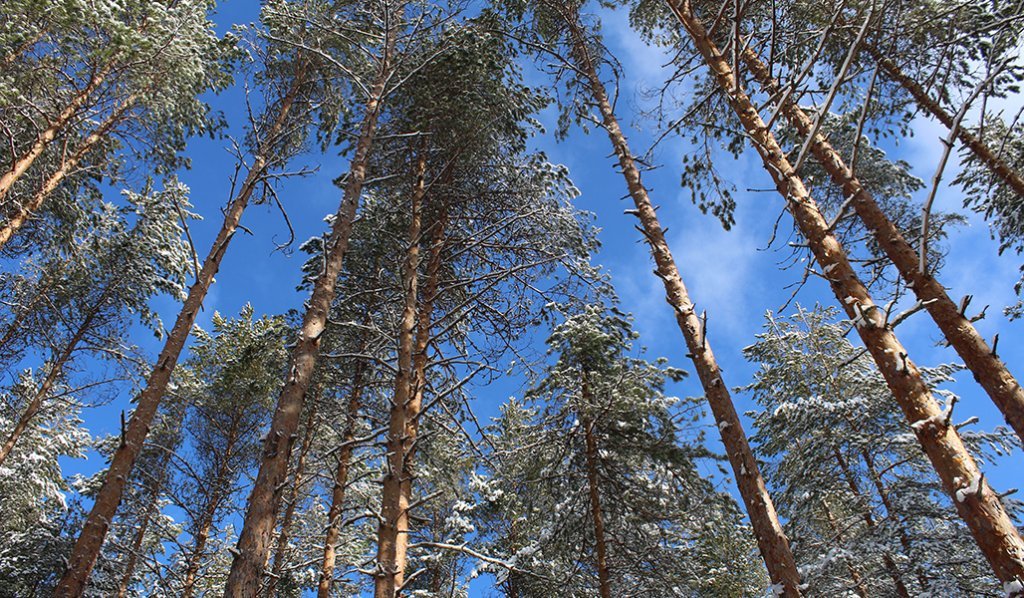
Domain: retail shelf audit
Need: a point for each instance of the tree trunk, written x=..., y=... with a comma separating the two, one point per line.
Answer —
x=51, y=378
x=21, y=215
x=156, y=487
x=23, y=162
x=87, y=547
x=25, y=46
x=855, y=576
x=219, y=492
x=990, y=372
x=869, y=521
x=594, y=490
x=258, y=527
x=292, y=502
x=892, y=514
x=393, y=530
x=771, y=539
x=976, y=502
x=340, y=483
x=979, y=148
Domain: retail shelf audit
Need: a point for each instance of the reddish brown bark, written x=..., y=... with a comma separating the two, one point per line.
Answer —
x=990, y=371
x=56, y=368
x=977, y=503
x=291, y=504
x=979, y=148
x=340, y=483
x=771, y=539
x=257, y=530
x=47, y=135
x=594, y=492
x=218, y=492
x=393, y=531
x=22, y=213
x=87, y=547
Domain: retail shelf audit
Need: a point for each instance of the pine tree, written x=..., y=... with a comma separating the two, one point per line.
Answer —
x=982, y=509
x=593, y=463
x=98, y=286
x=136, y=69
x=227, y=381
x=865, y=516
x=276, y=137
x=562, y=32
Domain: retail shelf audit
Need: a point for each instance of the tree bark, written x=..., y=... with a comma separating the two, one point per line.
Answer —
x=594, y=491
x=23, y=212
x=23, y=162
x=90, y=540
x=216, y=496
x=393, y=530
x=976, y=502
x=1003, y=171
x=44, y=389
x=292, y=503
x=990, y=371
x=771, y=539
x=155, y=487
x=340, y=483
x=258, y=527
x=8, y=60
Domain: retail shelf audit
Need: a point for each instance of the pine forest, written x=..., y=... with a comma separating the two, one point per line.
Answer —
x=511, y=298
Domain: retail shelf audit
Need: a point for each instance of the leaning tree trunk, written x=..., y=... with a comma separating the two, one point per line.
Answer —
x=280, y=553
x=594, y=492
x=23, y=162
x=21, y=215
x=258, y=527
x=340, y=483
x=771, y=539
x=990, y=371
x=392, y=532
x=979, y=506
x=991, y=159
x=10, y=58
x=56, y=368
x=90, y=540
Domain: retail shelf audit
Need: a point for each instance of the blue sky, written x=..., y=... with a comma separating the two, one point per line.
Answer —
x=728, y=273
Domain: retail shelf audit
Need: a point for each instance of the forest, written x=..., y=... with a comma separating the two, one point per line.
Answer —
x=511, y=298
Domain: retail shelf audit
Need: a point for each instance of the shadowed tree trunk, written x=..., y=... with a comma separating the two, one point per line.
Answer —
x=201, y=535
x=990, y=371
x=979, y=506
x=771, y=539
x=90, y=540
x=594, y=491
x=56, y=368
x=869, y=521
